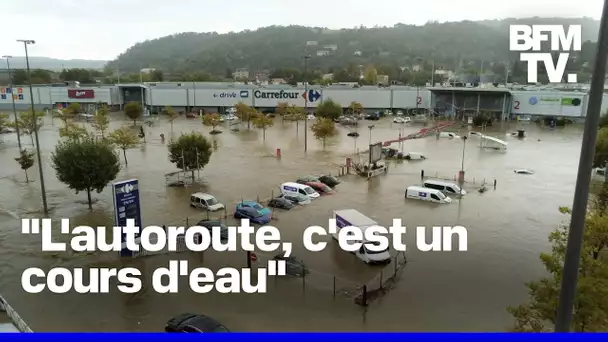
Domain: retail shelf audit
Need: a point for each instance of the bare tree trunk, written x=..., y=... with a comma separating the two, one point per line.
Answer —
x=297, y=127
x=124, y=153
x=264, y=132
x=89, y=198
x=27, y=180
x=32, y=139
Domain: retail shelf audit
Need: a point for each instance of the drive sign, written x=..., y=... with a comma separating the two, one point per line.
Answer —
x=530, y=38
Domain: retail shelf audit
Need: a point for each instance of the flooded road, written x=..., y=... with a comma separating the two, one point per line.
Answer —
x=440, y=291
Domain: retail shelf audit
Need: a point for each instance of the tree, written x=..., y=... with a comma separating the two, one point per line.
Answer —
x=29, y=123
x=64, y=115
x=591, y=303
x=295, y=114
x=324, y=128
x=133, y=111
x=172, y=114
x=282, y=108
x=355, y=108
x=4, y=121
x=72, y=131
x=245, y=113
x=212, y=120
x=124, y=138
x=600, y=158
x=74, y=108
x=329, y=110
x=101, y=121
x=25, y=160
x=263, y=122
x=85, y=165
x=190, y=152
x=370, y=76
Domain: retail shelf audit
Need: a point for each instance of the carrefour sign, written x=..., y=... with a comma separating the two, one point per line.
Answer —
x=311, y=95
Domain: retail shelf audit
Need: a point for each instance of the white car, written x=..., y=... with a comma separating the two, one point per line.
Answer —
x=523, y=172
x=398, y=120
x=399, y=112
x=311, y=117
x=205, y=201
x=231, y=117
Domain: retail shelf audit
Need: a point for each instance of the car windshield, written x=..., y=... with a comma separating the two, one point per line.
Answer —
x=212, y=201
x=309, y=190
x=254, y=213
x=325, y=188
x=441, y=195
x=256, y=206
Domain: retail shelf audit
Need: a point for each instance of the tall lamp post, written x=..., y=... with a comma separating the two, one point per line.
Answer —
x=306, y=58
x=29, y=83
x=461, y=173
x=581, y=191
x=10, y=77
x=370, y=142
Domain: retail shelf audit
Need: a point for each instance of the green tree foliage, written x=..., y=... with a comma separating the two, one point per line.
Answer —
x=80, y=75
x=355, y=108
x=591, y=302
x=604, y=120
x=172, y=114
x=329, y=109
x=245, y=113
x=370, y=76
x=4, y=123
x=600, y=158
x=282, y=108
x=85, y=165
x=452, y=45
x=263, y=122
x=190, y=152
x=39, y=76
x=295, y=114
x=323, y=129
x=72, y=131
x=133, y=111
x=63, y=114
x=29, y=123
x=74, y=108
x=101, y=121
x=212, y=120
x=25, y=160
x=124, y=138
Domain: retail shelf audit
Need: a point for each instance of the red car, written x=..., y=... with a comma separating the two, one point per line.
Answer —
x=321, y=188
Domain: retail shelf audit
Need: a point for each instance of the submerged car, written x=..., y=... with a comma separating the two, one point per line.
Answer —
x=329, y=180
x=297, y=199
x=280, y=203
x=209, y=224
x=293, y=266
x=253, y=211
x=192, y=323
x=321, y=188
x=306, y=179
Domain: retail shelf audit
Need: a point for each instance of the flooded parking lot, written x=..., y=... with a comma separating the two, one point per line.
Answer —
x=456, y=291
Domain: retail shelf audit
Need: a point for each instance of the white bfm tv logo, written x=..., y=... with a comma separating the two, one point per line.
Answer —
x=530, y=38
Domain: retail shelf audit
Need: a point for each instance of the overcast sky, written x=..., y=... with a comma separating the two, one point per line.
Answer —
x=102, y=29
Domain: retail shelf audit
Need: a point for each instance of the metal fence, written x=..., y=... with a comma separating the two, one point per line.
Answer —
x=14, y=316
x=383, y=281
x=426, y=174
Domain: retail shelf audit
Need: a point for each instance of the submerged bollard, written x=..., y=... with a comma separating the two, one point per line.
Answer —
x=422, y=174
x=495, y=184
x=278, y=155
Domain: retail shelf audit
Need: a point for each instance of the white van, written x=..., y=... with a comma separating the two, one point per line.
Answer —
x=205, y=201
x=291, y=188
x=447, y=187
x=353, y=218
x=414, y=156
x=426, y=194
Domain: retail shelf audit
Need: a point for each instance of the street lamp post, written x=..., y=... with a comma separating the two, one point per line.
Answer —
x=306, y=58
x=581, y=191
x=370, y=133
x=10, y=77
x=29, y=83
x=461, y=173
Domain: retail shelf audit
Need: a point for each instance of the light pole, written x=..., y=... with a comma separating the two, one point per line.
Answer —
x=306, y=58
x=29, y=83
x=461, y=174
x=10, y=77
x=583, y=178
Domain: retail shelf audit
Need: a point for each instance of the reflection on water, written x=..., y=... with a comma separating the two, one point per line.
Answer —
x=456, y=291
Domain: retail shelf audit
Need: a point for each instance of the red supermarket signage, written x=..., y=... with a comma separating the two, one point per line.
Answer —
x=81, y=94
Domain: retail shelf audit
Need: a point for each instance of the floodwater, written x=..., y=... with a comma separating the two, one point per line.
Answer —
x=438, y=291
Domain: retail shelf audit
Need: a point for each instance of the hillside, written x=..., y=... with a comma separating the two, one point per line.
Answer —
x=449, y=44
x=46, y=63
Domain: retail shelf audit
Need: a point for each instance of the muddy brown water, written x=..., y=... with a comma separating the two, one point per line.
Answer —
x=438, y=291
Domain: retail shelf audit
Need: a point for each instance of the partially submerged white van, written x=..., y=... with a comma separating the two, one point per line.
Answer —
x=446, y=187
x=353, y=218
x=205, y=201
x=414, y=156
x=291, y=188
x=426, y=194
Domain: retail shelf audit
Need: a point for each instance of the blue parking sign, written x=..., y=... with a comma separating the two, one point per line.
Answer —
x=126, y=206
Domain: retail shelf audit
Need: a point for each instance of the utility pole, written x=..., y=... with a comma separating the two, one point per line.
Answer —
x=306, y=58
x=12, y=85
x=583, y=178
x=35, y=118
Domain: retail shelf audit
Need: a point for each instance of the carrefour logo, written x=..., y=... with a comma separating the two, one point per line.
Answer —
x=244, y=93
x=312, y=95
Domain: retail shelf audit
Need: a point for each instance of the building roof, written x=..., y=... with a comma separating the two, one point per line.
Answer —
x=470, y=90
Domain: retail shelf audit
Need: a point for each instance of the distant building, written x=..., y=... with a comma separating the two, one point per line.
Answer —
x=147, y=70
x=277, y=81
x=321, y=53
x=358, y=53
x=328, y=77
x=312, y=43
x=445, y=73
x=260, y=76
x=332, y=47
x=240, y=74
x=417, y=68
